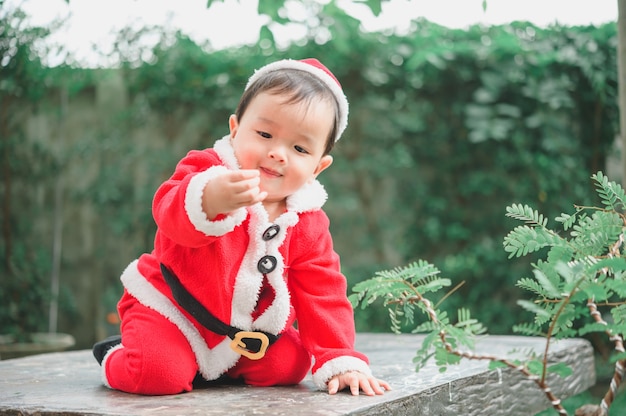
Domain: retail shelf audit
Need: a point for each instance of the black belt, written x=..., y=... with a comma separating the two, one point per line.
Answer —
x=247, y=343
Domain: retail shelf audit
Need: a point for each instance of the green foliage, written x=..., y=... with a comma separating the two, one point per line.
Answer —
x=25, y=293
x=467, y=120
x=584, y=264
x=403, y=291
x=447, y=126
x=582, y=272
x=399, y=287
x=25, y=169
x=467, y=113
x=612, y=194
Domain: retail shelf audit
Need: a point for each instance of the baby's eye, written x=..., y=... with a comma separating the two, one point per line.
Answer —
x=265, y=135
x=300, y=149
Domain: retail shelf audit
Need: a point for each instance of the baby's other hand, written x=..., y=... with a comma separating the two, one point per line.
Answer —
x=357, y=381
x=230, y=191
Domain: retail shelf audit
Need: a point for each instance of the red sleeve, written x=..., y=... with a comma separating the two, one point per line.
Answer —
x=318, y=290
x=177, y=204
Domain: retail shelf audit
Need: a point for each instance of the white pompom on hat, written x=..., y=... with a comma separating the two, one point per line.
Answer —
x=314, y=67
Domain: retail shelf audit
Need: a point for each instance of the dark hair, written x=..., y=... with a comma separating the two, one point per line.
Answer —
x=300, y=86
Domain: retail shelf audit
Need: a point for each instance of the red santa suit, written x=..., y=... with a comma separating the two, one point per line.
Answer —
x=250, y=273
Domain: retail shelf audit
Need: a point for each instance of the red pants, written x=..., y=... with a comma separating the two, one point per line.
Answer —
x=157, y=359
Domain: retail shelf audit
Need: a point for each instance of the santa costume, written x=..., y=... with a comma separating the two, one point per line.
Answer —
x=251, y=277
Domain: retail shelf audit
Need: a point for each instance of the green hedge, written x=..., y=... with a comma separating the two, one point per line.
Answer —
x=447, y=127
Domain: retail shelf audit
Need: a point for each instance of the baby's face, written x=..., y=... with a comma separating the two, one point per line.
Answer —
x=284, y=141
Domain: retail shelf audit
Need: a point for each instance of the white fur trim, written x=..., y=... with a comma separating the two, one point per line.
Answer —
x=193, y=206
x=342, y=101
x=249, y=281
x=274, y=318
x=104, y=363
x=225, y=151
x=310, y=197
x=338, y=366
x=211, y=362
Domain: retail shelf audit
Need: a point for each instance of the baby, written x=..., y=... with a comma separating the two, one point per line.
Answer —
x=243, y=281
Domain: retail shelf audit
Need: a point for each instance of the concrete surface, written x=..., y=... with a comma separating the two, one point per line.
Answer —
x=68, y=383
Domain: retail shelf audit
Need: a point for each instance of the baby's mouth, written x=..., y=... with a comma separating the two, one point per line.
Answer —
x=270, y=172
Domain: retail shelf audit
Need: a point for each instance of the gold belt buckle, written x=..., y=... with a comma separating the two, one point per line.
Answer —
x=239, y=346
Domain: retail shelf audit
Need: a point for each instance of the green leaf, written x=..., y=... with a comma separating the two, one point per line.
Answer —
x=560, y=253
x=496, y=364
x=619, y=315
x=611, y=193
x=569, y=272
x=546, y=284
x=531, y=285
x=595, y=290
x=468, y=324
x=614, y=263
x=535, y=367
x=434, y=285
x=527, y=214
x=529, y=329
x=525, y=239
x=592, y=327
x=534, y=308
x=618, y=357
x=561, y=369
x=265, y=34
x=617, y=286
x=567, y=220
x=374, y=5
x=272, y=9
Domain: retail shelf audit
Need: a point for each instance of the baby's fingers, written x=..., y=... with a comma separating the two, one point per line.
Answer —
x=241, y=181
x=244, y=187
x=380, y=386
x=243, y=175
x=333, y=386
x=372, y=386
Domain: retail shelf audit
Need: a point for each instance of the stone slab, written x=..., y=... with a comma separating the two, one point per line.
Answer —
x=68, y=383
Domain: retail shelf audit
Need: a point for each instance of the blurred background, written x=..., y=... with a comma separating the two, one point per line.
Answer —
x=458, y=109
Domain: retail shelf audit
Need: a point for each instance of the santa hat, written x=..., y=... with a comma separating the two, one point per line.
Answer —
x=314, y=67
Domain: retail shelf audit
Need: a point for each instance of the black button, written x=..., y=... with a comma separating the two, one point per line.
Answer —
x=271, y=232
x=267, y=264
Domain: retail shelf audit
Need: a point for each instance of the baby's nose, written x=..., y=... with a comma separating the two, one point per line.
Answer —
x=277, y=153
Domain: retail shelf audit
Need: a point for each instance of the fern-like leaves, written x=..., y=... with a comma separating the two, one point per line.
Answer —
x=399, y=284
x=612, y=194
x=403, y=292
x=583, y=271
x=525, y=239
x=526, y=214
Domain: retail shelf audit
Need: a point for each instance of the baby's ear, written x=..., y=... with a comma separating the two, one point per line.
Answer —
x=233, y=124
x=324, y=163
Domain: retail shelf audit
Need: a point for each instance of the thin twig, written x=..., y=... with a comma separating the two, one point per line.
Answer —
x=618, y=374
x=447, y=295
x=556, y=403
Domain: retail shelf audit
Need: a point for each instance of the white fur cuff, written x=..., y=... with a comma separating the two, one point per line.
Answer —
x=105, y=380
x=338, y=366
x=193, y=206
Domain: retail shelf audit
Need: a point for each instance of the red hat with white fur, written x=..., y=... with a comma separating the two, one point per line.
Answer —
x=315, y=67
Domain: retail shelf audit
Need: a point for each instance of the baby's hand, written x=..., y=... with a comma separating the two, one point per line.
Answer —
x=230, y=191
x=357, y=381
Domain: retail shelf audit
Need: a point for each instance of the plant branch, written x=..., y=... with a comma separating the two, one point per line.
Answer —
x=555, y=318
x=618, y=374
x=541, y=382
